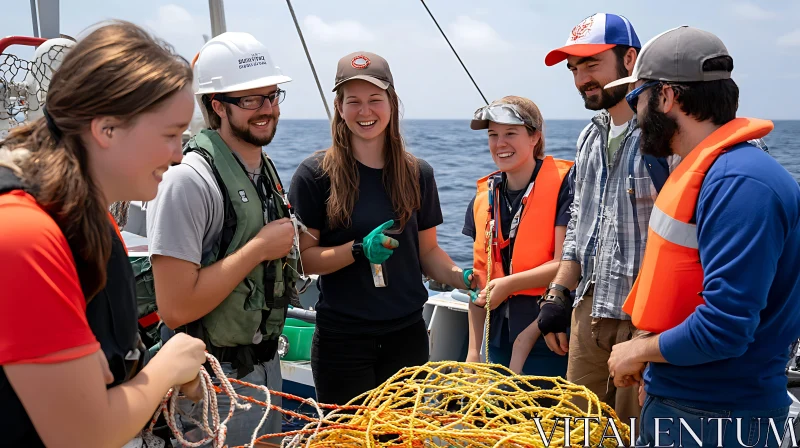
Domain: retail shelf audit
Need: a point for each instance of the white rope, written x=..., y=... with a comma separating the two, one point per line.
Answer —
x=216, y=431
x=295, y=441
x=268, y=401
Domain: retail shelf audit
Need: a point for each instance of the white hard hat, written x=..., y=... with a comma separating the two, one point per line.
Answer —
x=234, y=61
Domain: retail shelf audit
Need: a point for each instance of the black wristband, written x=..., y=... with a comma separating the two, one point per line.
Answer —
x=558, y=287
x=357, y=249
x=558, y=294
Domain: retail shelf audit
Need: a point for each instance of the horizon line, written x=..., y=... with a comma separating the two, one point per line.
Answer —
x=468, y=119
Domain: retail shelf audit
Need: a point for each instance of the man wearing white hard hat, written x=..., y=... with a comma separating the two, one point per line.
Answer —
x=221, y=241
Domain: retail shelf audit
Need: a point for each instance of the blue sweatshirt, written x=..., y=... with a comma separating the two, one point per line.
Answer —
x=731, y=353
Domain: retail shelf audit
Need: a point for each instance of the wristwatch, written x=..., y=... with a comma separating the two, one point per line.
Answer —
x=555, y=293
x=358, y=249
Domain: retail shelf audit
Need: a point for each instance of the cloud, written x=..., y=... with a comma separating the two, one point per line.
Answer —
x=476, y=35
x=341, y=31
x=790, y=40
x=752, y=11
x=174, y=20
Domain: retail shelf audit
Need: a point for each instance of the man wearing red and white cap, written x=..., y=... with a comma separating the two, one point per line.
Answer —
x=607, y=232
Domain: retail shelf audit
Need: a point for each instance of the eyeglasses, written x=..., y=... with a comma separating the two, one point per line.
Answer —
x=503, y=114
x=633, y=96
x=253, y=102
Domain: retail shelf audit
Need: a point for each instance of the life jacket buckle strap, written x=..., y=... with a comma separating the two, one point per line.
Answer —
x=134, y=359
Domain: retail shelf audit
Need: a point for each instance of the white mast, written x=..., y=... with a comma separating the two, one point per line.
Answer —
x=216, y=10
x=48, y=19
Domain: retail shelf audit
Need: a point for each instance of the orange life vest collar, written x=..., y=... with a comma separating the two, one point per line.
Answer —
x=670, y=284
x=535, y=231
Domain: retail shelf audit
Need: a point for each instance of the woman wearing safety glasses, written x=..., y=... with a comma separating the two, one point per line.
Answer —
x=518, y=221
x=372, y=208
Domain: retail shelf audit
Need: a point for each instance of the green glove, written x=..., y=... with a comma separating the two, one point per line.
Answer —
x=467, y=282
x=473, y=293
x=377, y=246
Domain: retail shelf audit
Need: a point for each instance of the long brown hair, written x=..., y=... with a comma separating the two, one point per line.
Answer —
x=400, y=173
x=118, y=70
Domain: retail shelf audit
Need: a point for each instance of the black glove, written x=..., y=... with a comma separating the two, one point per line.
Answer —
x=553, y=318
x=555, y=310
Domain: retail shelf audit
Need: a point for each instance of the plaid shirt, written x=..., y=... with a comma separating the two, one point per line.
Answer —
x=610, y=214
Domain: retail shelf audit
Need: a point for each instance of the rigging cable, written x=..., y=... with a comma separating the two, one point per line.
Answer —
x=308, y=56
x=454, y=51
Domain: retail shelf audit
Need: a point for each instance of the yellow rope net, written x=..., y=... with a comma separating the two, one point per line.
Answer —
x=467, y=405
x=449, y=404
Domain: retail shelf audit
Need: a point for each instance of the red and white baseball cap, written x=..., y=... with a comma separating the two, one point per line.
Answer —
x=595, y=34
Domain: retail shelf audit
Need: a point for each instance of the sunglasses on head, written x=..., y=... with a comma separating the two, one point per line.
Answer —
x=503, y=114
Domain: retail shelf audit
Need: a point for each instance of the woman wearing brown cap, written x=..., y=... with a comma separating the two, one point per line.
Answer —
x=369, y=315
x=518, y=221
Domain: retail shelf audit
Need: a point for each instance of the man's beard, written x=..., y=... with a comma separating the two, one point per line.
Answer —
x=608, y=97
x=244, y=133
x=657, y=130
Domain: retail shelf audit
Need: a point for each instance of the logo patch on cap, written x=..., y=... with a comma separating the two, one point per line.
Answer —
x=360, y=62
x=581, y=29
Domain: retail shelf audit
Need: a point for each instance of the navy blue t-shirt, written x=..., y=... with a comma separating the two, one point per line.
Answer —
x=349, y=302
x=731, y=353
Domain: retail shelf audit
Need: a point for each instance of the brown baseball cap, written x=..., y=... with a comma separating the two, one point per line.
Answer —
x=366, y=66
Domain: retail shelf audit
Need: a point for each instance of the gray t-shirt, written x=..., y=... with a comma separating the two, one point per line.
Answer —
x=187, y=210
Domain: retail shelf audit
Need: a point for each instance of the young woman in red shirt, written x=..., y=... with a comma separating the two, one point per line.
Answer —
x=70, y=371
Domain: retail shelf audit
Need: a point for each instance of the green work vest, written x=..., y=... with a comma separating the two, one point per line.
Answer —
x=260, y=301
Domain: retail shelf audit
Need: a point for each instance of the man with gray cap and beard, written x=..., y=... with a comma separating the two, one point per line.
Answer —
x=720, y=277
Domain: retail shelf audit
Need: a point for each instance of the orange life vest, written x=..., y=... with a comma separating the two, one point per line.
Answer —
x=535, y=240
x=670, y=284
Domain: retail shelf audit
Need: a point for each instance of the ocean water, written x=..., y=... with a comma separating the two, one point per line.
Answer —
x=459, y=156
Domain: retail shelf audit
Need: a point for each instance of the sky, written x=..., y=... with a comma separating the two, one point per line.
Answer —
x=502, y=43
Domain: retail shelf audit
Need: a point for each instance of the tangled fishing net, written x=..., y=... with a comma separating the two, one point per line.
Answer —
x=438, y=404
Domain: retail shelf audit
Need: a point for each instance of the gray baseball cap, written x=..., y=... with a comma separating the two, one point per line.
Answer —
x=365, y=66
x=677, y=55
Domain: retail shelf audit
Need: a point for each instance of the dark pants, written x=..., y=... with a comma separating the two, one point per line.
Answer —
x=347, y=365
x=739, y=428
x=540, y=362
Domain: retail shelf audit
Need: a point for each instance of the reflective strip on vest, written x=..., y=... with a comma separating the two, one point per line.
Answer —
x=676, y=232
